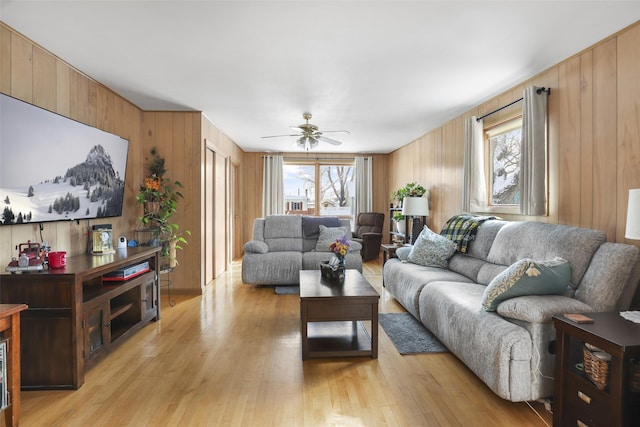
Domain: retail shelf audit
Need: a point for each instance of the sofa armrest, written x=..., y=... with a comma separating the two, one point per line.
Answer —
x=540, y=308
x=256, y=246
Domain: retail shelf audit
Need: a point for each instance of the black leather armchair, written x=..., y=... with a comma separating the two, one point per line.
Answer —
x=368, y=232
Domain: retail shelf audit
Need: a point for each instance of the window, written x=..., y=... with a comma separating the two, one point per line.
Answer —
x=299, y=189
x=493, y=181
x=504, y=144
x=319, y=188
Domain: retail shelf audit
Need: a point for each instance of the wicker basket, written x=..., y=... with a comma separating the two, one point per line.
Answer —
x=596, y=365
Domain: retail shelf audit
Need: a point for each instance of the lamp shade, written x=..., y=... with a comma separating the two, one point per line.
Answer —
x=633, y=215
x=415, y=206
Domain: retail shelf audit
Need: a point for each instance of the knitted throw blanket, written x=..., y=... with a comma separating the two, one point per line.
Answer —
x=462, y=229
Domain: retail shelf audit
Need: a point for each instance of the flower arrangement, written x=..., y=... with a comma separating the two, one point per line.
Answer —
x=334, y=269
x=340, y=248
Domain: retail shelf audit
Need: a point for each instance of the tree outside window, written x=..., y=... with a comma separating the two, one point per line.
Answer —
x=337, y=187
x=504, y=144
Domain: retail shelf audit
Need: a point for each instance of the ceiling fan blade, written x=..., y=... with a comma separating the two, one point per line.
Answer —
x=329, y=140
x=279, y=136
x=343, y=131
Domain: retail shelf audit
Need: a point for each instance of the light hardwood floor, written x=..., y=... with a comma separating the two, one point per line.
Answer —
x=232, y=357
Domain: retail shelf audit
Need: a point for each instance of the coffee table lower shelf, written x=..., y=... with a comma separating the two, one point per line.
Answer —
x=338, y=339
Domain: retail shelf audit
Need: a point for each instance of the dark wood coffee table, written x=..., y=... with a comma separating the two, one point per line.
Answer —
x=331, y=316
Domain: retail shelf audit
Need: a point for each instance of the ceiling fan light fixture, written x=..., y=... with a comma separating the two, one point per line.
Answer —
x=307, y=142
x=310, y=135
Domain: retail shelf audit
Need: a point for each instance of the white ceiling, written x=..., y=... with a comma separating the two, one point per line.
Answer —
x=388, y=71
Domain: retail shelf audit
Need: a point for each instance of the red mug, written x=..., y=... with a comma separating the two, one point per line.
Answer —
x=57, y=259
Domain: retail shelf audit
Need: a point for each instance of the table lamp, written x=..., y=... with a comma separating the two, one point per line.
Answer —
x=415, y=207
x=633, y=215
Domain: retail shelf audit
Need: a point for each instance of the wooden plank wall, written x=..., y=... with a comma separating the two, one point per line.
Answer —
x=176, y=136
x=594, y=140
x=32, y=74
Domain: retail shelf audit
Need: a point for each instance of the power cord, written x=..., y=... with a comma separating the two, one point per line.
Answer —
x=547, y=406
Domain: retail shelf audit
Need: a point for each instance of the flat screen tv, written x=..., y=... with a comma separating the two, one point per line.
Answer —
x=53, y=168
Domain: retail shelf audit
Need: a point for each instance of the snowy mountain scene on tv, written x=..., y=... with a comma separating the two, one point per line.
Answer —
x=53, y=168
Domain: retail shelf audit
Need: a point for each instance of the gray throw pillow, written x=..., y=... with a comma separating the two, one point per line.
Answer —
x=431, y=249
x=328, y=235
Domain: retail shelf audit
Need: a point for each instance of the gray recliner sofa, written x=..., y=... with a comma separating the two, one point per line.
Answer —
x=282, y=245
x=511, y=349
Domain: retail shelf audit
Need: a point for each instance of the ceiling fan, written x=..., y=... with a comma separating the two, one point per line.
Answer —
x=308, y=134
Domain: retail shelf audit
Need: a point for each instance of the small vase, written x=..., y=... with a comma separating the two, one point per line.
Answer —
x=343, y=263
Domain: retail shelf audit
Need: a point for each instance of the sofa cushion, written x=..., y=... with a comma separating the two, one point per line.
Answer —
x=405, y=280
x=527, y=277
x=431, y=249
x=540, y=308
x=605, y=286
x=278, y=226
x=283, y=233
x=495, y=349
x=466, y=265
x=272, y=268
x=537, y=240
x=328, y=235
x=485, y=236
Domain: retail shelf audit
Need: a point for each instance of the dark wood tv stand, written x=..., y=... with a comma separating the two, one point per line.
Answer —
x=75, y=318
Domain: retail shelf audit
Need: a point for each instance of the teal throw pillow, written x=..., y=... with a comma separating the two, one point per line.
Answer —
x=431, y=249
x=527, y=277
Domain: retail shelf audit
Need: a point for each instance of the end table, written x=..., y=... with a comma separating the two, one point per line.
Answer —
x=578, y=401
x=389, y=251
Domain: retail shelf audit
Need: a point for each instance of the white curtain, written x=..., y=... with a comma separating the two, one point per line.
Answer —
x=474, y=183
x=364, y=192
x=533, y=163
x=272, y=186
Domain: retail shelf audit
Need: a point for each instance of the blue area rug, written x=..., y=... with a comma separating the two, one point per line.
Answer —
x=409, y=335
x=287, y=290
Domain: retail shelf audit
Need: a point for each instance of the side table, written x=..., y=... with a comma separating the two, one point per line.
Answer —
x=389, y=251
x=578, y=401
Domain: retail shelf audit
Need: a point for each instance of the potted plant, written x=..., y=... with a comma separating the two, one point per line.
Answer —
x=412, y=189
x=159, y=196
x=398, y=218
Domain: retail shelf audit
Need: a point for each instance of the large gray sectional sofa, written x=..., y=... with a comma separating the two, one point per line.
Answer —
x=511, y=349
x=282, y=245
